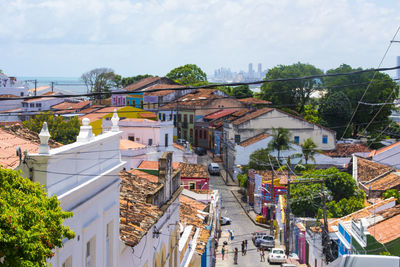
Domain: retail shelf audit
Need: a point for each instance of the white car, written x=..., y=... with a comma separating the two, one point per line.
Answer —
x=225, y=221
x=277, y=255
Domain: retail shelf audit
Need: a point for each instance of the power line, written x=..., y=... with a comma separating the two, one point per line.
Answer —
x=366, y=89
x=210, y=86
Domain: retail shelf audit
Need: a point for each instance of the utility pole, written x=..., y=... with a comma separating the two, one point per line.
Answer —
x=35, y=87
x=325, y=230
x=273, y=204
x=287, y=223
x=52, y=86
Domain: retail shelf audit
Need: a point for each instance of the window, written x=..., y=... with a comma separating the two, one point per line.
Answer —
x=137, y=139
x=150, y=142
x=38, y=105
x=324, y=139
x=174, y=117
x=191, y=134
x=205, y=134
x=179, y=117
x=159, y=116
x=200, y=133
x=170, y=117
x=191, y=118
x=22, y=94
x=91, y=252
x=141, y=104
x=32, y=105
x=237, y=138
x=185, y=118
x=163, y=116
x=296, y=139
x=109, y=244
x=67, y=262
x=166, y=140
x=131, y=137
x=192, y=185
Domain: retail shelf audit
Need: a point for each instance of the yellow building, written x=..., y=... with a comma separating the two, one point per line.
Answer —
x=97, y=116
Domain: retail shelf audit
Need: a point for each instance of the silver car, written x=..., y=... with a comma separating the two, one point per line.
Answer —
x=266, y=242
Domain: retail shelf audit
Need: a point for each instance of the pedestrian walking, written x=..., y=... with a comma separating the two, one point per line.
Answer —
x=235, y=256
x=242, y=248
x=223, y=252
x=262, y=254
x=245, y=247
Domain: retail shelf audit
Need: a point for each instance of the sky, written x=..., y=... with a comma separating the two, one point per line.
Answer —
x=66, y=38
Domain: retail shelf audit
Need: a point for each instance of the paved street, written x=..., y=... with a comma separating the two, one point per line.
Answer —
x=241, y=225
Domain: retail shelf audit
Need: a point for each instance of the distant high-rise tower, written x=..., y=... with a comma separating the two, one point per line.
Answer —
x=259, y=68
x=250, y=68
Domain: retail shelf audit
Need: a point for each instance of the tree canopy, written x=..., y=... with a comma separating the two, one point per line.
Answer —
x=280, y=140
x=189, y=74
x=340, y=186
x=242, y=91
x=353, y=86
x=293, y=94
x=99, y=80
x=261, y=160
x=31, y=223
x=61, y=130
x=308, y=149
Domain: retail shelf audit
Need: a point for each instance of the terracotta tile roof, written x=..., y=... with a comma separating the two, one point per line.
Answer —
x=346, y=150
x=238, y=114
x=147, y=115
x=202, y=240
x=136, y=215
x=139, y=120
x=198, y=98
x=362, y=213
x=368, y=170
x=189, y=170
x=385, y=182
x=383, y=149
x=144, y=175
x=178, y=146
x=142, y=83
x=13, y=136
x=125, y=144
x=162, y=92
x=252, y=115
x=153, y=165
x=251, y=100
x=8, y=96
x=68, y=106
x=386, y=230
x=188, y=211
x=219, y=114
x=254, y=139
x=42, y=98
x=97, y=114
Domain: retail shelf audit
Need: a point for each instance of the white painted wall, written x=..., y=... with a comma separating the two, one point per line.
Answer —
x=84, y=176
x=243, y=153
x=45, y=103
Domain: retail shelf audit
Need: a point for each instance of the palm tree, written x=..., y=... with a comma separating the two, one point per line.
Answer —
x=308, y=148
x=280, y=140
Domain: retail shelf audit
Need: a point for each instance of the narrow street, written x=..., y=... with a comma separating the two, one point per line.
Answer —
x=241, y=225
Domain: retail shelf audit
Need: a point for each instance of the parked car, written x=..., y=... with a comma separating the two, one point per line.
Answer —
x=277, y=255
x=181, y=142
x=257, y=235
x=225, y=220
x=213, y=168
x=266, y=242
x=200, y=151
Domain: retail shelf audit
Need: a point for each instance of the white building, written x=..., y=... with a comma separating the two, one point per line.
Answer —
x=42, y=103
x=10, y=88
x=84, y=177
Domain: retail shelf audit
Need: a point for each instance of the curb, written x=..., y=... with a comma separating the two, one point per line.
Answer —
x=244, y=209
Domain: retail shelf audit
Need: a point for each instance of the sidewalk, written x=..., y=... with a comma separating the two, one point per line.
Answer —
x=227, y=260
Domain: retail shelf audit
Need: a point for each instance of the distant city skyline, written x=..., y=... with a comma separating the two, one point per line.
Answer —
x=67, y=38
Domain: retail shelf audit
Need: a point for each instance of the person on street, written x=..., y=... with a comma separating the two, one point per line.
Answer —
x=235, y=256
x=243, y=248
x=223, y=252
x=262, y=254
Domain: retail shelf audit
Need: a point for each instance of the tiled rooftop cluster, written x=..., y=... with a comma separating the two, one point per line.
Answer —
x=346, y=150
x=137, y=215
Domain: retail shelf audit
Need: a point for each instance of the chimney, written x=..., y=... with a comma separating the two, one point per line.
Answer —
x=44, y=136
x=85, y=134
x=165, y=173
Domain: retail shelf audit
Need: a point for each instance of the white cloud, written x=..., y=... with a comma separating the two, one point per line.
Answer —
x=151, y=36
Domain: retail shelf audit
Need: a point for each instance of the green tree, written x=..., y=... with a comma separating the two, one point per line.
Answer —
x=353, y=86
x=99, y=80
x=280, y=140
x=31, y=223
x=242, y=91
x=242, y=178
x=189, y=74
x=310, y=113
x=122, y=82
x=335, y=111
x=294, y=94
x=308, y=149
x=343, y=207
x=61, y=130
x=392, y=193
x=262, y=160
